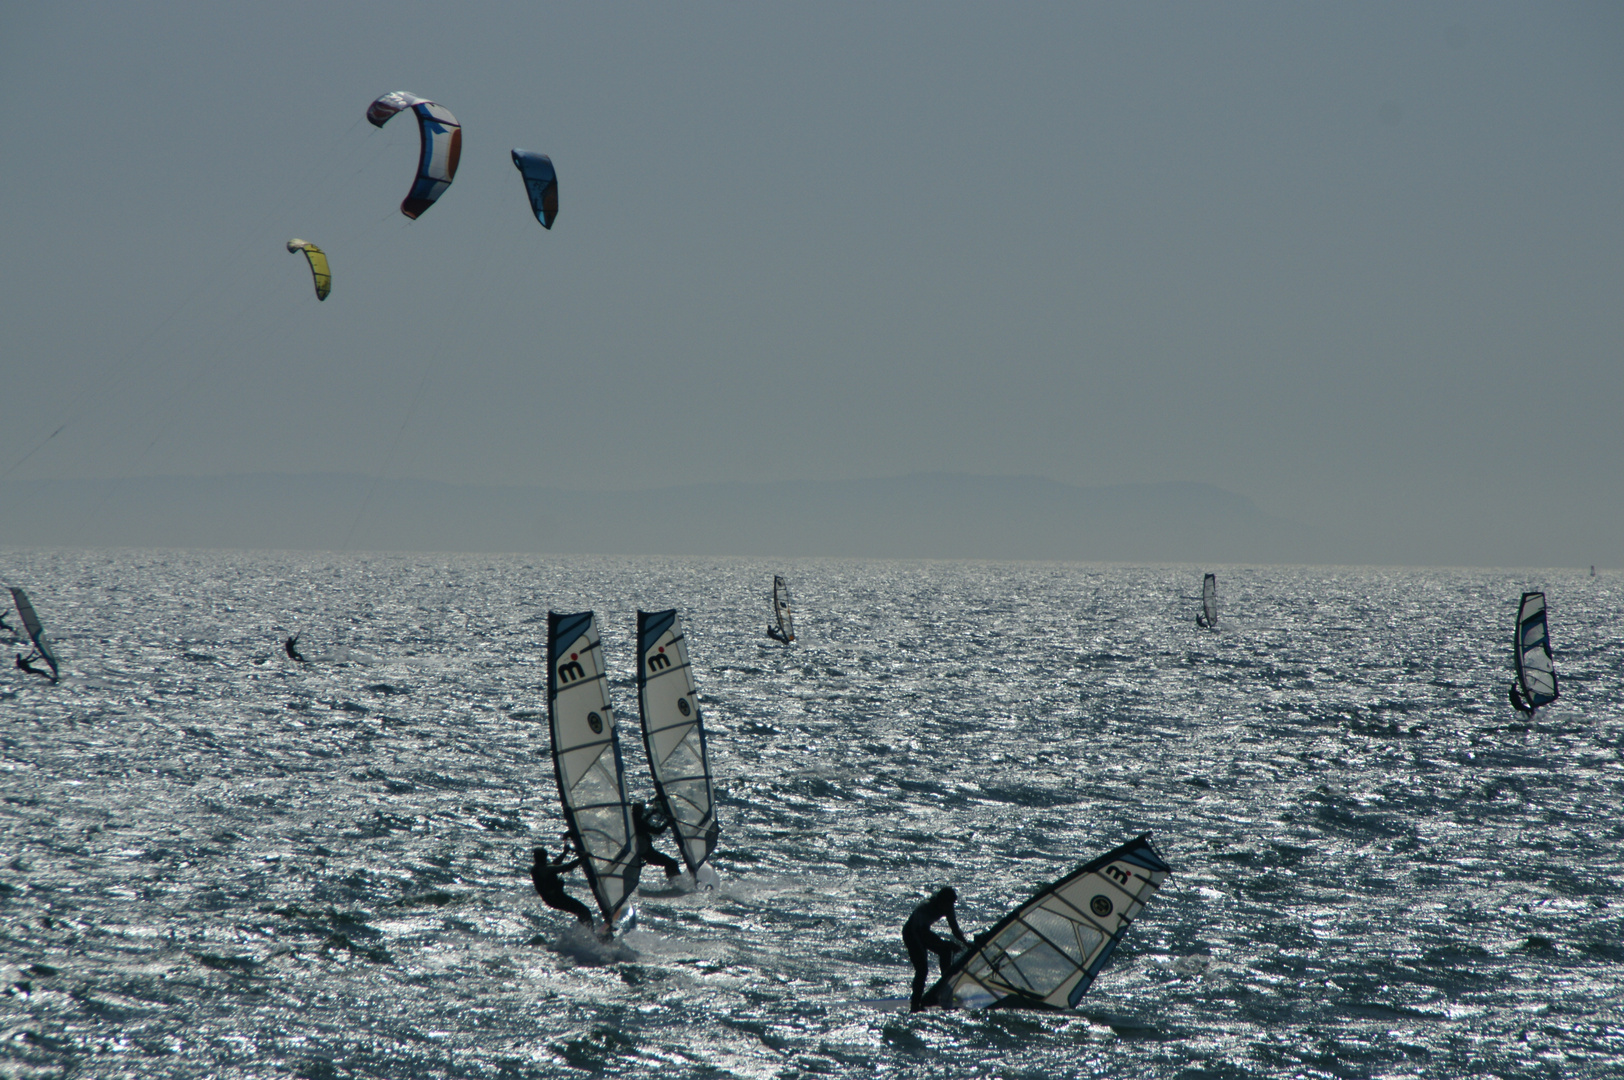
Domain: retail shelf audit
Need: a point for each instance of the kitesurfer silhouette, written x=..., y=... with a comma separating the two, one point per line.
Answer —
x=549, y=882
x=290, y=646
x=645, y=830
x=921, y=940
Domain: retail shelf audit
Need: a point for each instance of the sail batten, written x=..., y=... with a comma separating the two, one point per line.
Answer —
x=674, y=735
x=1531, y=650
x=587, y=760
x=1047, y=952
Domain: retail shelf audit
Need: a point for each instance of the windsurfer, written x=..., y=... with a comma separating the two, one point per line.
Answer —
x=24, y=665
x=645, y=830
x=1520, y=703
x=921, y=940
x=1201, y=620
x=291, y=647
x=777, y=634
x=549, y=882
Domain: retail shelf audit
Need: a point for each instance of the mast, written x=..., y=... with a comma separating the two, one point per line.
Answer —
x=586, y=759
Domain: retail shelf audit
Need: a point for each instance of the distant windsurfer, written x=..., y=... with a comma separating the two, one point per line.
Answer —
x=24, y=665
x=921, y=940
x=549, y=882
x=777, y=634
x=1520, y=703
x=291, y=647
x=645, y=829
x=1201, y=619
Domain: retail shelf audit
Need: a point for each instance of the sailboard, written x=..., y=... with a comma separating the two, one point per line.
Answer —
x=36, y=632
x=782, y=628
x=586, y=759
x=674, y=734
x=1536, y=673
x=1208, y=618
x=1047, y=952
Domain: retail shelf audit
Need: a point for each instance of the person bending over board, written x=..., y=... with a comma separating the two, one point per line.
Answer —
x=777, y=634
x=921, y=940
x=291, y=647
x=549, y=882
x=645, y=830
x=24, y=665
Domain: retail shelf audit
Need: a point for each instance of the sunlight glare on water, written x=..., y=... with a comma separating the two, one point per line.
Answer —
x=219, y=863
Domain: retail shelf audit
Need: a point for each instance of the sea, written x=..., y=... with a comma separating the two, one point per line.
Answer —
x=215, y=862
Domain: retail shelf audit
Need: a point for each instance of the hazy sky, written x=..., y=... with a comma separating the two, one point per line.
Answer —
x=1362, y=263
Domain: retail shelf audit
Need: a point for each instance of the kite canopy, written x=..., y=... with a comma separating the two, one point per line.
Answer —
x=442, y=146
x=540, y=183
x=319, y=270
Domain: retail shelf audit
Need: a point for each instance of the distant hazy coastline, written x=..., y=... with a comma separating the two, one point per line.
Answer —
x=925, y=515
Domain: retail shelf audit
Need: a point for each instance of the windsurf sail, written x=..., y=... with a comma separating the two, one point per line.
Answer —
x=586, y=758
x=36, y=632
x=1209, y=602
x=675, y=735
x=1047, y=952
x=1536, y=674
x=783, y=624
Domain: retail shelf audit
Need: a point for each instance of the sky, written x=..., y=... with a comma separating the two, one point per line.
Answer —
x=1362, y=264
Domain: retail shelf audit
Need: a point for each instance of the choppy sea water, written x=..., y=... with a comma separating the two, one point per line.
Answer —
x=217, y=863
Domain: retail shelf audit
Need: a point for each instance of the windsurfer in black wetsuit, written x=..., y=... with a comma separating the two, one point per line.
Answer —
x=291, y=647
x=1201, y=619
x=646, y=830
x=549, y=882
x=1520, y=703
x=777, y=634
x=24, y=665
x=921, y=940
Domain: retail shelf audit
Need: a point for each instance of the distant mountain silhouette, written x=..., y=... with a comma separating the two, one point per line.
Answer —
x=924, y=515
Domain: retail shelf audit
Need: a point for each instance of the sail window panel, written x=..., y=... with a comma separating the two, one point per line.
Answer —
x=1045, y=968
x=1059, y=930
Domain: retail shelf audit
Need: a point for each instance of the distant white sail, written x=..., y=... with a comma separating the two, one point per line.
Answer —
x=783, y=625
x=1536, y=673
x=36, y=631
x=675, y=735
x=1046, y=953
x=1209, y=602
x=586, y=758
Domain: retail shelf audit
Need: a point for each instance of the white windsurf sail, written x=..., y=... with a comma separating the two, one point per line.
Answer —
x=1536, y=673
x=675, y=735
x=1046, y=953
x=36, y=631
x=1209, y=602
x=783, y=625
x=586, y=758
